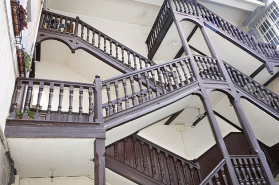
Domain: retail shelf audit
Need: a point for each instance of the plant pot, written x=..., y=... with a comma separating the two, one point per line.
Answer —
x=15, y=19
x=20, y=61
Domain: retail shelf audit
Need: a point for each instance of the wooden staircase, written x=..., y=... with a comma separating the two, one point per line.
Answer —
x=192, y=10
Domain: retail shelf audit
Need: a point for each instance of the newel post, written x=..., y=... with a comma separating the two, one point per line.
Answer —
x=99, y=144
x=76, y=26
x=98, y=110
x=252, y=140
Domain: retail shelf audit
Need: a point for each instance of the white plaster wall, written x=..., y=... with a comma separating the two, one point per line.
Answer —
x=190, y=144
x=7, y=70
x=29, y=35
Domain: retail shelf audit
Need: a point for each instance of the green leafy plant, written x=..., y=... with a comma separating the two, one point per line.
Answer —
x=27, y=61
x=31, y=114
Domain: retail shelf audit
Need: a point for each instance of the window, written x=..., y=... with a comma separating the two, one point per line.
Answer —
x=268, y=25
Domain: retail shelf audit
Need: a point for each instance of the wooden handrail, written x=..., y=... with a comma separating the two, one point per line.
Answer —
x=154, y=161
x=253, y=88
x=78, y=28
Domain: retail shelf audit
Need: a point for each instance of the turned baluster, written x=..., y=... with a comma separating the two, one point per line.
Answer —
x=80, y=118
x=118, y=102
x=169, y=168
x=247, y=84
x=143, y=156
x=192, y=174
x=110, y=47
x=205, y=67
x=152, y=161
x=140, y=62
x=199, y=66
x=134, y=96
x=28, y=99
x=60, y=102
x=116, y=50
x=49, y=23
x=71, y=95
x=155, y=83
x=235, y=77
x=259, y=170
x=250, y=81
x=17, y=92
x=93, y=37
x=180, y=7
x=60, y=24
x=166, y=74
x=177, y=171
x=82, y=29
x=229, y=69
x=109, y=99
x=224, y=176
x=149, y=91
x=175, y=3
x=49, y=101
x=55, y=20
x=160, y=165
x=129, y=59
x=135, y=151
x=44, y=21
x=142, y=98
x=71, y=27
x=115, y=150
x=105, y=44
x=187, y=81
x=99, y=39
x=90, y=111
x=210, y=68
x=265, y=95
x=184, y=7
x=184, y=173
x=190, y=70
x=125, y=150
x=271, y=100
x=260, y=96
x=257, y=179
x=174, y=76
x=237, y=172
x=161, y=80
x=36, y=116
x=239, y=76
x=216, y=68
x=87, y=35
x=192, y=8
x=249, y=176
x=135, y=61
x=122, y=53
x=179, y=74
x=127, y=104
x=245, y=179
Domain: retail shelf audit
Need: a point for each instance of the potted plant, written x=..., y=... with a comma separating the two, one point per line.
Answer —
x=31, y=114
x=27, y=61
x=19, y=17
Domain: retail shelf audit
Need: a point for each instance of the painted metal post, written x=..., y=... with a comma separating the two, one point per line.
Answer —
x=99, y=162
x=249, y=134
x=205, y=98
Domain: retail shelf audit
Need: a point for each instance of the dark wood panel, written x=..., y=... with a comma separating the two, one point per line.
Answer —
x=153, y=161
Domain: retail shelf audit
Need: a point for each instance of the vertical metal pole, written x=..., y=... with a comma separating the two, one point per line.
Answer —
x=249, y=134
x=99, y=162
x=205, y=98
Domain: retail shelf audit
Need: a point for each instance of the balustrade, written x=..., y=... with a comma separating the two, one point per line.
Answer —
x=218, y=176
x=248, y=170
x=53, y=100
x=168, y=76
x=253, y=88
x=154, y=161
x=76, y=27
x=160, y=21
x=208, y=68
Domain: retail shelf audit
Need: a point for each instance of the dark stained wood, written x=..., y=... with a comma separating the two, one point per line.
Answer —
x=149, y=159
x=228, y=121
x=175, y=115
x=255, y=73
